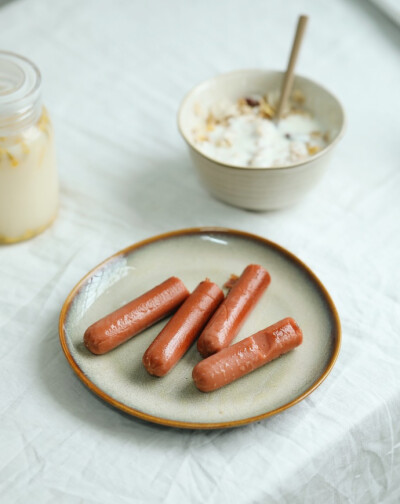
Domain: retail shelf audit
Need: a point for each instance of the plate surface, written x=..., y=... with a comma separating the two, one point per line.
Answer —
x=194, y=254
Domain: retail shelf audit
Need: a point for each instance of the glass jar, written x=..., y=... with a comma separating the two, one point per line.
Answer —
x=28, y=175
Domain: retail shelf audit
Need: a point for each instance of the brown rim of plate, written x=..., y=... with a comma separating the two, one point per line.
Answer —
x=289, y=166
x=336, y=335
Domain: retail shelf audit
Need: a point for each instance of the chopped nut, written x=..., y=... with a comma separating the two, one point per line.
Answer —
x=326, y=136
x=299, y=111
x=313, y=149
x=298, y=97
x=272, y=97
x=225, y=120
x=223, y=142
x=266, y=110
x=316, y=134
x=210, y=122
x=243, y=107
x=44, y=122
x=25, y=148
x=201, y=138
x=13, y=160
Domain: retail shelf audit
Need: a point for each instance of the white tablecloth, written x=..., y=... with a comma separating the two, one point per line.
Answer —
x=114, y=73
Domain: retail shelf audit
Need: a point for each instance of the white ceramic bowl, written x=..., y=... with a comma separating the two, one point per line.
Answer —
x=260, y=188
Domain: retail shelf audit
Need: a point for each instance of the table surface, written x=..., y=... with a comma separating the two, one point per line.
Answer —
x=114, y=73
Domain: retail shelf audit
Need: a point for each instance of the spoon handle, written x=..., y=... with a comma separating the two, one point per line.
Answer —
x=288, y=78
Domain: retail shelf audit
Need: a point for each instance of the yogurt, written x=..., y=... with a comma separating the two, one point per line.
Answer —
x=28, y=175
x=243, y=133
x=28, y=182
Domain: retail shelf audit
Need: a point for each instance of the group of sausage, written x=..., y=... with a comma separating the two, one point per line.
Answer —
x=207, y=314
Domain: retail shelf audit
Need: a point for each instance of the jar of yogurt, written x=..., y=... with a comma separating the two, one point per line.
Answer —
x=28, y=175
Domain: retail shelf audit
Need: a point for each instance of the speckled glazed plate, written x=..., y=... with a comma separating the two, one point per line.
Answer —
x=193, y=254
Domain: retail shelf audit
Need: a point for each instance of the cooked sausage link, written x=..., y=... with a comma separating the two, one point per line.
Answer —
x=183, y=328
x=247, y=355
x=232, y=313
x=139, y=314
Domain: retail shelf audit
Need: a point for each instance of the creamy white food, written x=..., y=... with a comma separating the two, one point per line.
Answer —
x=28, y=182
x=244, y=133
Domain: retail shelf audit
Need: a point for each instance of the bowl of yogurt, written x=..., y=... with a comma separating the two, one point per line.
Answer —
x=245, y=157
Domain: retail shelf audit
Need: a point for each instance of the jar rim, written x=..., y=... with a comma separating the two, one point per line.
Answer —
x=20, y=92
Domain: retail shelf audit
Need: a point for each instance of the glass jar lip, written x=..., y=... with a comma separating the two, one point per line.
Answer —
x=20, y=92
x=29, y=69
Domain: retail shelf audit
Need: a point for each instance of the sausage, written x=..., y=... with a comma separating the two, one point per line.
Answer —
x=139, y=314
x=183, y=328
x=247, y=355
x=232, y=313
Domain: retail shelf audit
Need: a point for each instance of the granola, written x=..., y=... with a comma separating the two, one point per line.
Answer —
x=243, y=133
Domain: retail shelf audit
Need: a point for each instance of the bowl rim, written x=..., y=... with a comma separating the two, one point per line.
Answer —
x=316, y=156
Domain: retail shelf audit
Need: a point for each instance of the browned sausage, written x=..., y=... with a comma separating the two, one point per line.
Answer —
x=129, y=320
x=183, y=328
x=247, y=355
x=230, y=316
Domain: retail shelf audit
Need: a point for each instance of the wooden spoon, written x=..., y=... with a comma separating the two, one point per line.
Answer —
x=288, y=79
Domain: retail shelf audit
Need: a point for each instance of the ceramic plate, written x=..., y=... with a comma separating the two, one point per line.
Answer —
x=194, y=254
